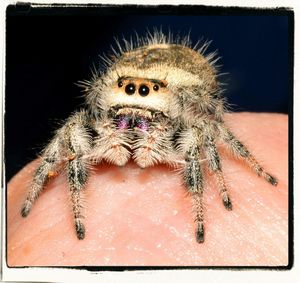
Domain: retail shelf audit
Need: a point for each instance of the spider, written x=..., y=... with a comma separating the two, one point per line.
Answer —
x=157, y=101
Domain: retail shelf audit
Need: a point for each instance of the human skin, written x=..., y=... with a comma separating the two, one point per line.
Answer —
x=140, y=217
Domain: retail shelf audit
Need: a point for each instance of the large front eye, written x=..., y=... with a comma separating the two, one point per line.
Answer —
x=143, y=90
x=130, y=89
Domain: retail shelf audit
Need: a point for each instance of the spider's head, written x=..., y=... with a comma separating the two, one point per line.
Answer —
x=131, y=96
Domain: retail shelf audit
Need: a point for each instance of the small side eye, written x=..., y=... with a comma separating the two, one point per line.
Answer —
x=120, y=84
x=156, y=87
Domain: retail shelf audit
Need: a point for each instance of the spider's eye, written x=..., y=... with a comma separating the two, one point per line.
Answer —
x=120, y=84
x=143, y=90
x=130, y=89
x=156, y=87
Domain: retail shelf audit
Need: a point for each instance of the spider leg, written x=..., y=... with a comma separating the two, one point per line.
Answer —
x=47, y=168
x=77, y=145
x=214, y=162
x=77, y=178
x=194, y=181
x=71, y=144
x=241, y=151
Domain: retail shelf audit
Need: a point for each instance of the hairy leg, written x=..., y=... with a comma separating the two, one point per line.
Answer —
x=214, y=163
x=77, y=143
x=240, y=151
x=69, y=145
x=193, y=178
x=48, y=166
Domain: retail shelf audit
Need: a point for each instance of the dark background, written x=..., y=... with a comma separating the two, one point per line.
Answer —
x=49, y=50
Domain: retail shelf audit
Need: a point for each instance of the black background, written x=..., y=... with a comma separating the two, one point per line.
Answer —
x=49, y=50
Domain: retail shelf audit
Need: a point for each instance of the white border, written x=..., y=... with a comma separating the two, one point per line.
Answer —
x=72, y=275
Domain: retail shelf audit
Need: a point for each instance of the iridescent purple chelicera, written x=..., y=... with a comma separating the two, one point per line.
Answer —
x=142, y=124
x=123, y=122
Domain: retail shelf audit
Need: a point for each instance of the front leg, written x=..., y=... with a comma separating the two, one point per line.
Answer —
x=70, y=145
x=78, y=144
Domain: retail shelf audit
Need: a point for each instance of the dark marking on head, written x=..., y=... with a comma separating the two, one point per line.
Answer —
x=120, y=79
x=161, y=83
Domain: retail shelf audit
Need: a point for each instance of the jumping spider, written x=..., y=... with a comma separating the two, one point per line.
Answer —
x=158, y=101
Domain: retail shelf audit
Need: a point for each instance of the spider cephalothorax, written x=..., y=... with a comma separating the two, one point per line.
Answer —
x=157, y=102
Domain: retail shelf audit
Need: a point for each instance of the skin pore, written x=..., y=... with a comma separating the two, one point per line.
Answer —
x=137, y=216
